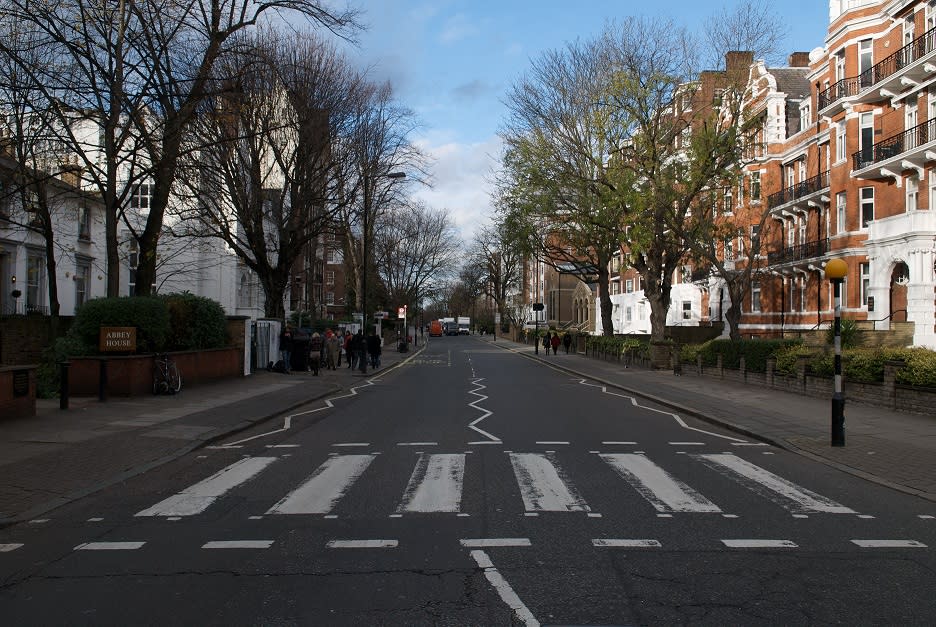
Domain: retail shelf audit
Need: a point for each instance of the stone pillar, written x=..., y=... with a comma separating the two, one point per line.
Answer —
x=890, y=380
x=742, y=366
x=920, y=309
x=699, y=364
x=719, y=366
x=801, y=363
x=771, y=368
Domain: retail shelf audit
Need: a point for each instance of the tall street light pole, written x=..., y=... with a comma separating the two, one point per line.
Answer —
x=835, y=271
x=364, y=264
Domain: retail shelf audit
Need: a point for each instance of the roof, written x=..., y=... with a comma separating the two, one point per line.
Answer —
x=792, y=81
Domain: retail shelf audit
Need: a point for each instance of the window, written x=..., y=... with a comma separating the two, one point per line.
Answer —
x=329, y=298
x=908, y=27
x=805, y=115
x=802, y=293
x=840, y=141
x=866, y=138
x=840, y=212
x=629, y=286
x=794, y=294
x=4, y=202
x=334, y=256
x=931, y=177
x=329, y=277
x=843, y=294
x=867, y=206
x=755, y=187
x=755, y=296
x=35, y=273
x=931, y=14
x=755, y=237
x=133, y=260
x=628, y=315
x=140, y=196
x=729, y=250
x=84, y=223
x=685, y=275
x=864, y=271
x=912, y=184
x=82, y=282
x=911, y=113
x=728, y=200
x=840, y=65
x=740, y=243
x=801, y=222
x=865, y=60
x=31, y=207
x=687, y=310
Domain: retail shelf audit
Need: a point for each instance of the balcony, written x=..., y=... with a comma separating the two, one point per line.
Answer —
x=896, y=74
x=889, y=156
x=800, y=193
x=801, y=252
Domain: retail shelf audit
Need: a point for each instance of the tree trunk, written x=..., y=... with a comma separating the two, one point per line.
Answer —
x=733, y=314
x=604, y=300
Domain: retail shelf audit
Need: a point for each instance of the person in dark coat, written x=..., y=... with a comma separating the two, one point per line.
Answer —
x=567, y=341
x=285, y=346
x=357, y=346
x=316, y=345
x=554, y=342
x=373, y=349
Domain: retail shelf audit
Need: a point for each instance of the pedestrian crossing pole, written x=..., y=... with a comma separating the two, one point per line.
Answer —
x=835, y=271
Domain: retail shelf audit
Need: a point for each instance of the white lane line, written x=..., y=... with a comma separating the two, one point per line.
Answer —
x=109, y=546
x=39, y=521
x=626, y=543
x=785, y=493
x=484, y=442
x=238, y=544
x=484, y=543
x=6, y=548
x=759, y=544
x=503, y=588
x=325, y=487
x=484, y=412
x=620, y=443
x=666, y=493
x=552, y=442
x=95, y=519
x=889, y=544
x=198, y=497
x=543, y=486
x=221, y=447
x=688, y=443
x=417, y=444
x=435, y=485
x=362, y=544
x=282, y=446
x=748, y=444
x=926, y=517
x=350, y=444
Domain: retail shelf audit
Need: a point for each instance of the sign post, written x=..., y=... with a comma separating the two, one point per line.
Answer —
x=537, y=307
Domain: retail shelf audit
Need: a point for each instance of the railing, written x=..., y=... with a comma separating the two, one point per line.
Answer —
x=809, y=186
x=893, y=146
x=916, y=49
x=847, y=87
x=808, y=250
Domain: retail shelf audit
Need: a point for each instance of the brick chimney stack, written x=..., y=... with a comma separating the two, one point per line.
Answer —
x=799, y=59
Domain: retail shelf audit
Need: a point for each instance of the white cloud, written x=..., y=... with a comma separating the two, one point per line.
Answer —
x=456, y=28
x=461, y=179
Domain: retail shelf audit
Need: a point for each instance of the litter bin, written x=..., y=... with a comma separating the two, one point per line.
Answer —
x=299, y=359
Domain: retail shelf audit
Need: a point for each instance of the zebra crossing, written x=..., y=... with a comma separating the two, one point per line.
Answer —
x=437, y=482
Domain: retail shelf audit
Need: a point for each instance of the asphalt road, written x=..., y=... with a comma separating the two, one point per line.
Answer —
x=474, y=486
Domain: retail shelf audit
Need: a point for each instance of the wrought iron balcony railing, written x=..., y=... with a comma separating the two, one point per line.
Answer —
x=841, y=89
x=794, y=192
x=892, y=146
x=809, y=250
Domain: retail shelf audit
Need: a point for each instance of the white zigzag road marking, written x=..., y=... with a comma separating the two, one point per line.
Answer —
x=674, y=416
x=485, y=413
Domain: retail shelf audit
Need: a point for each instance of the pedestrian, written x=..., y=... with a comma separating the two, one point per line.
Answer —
x=546, y=342
x=285, y=346
x=358, y=347
x=332, y=349
x=349, y=354
x=373, y=349
x=315, y=353
x=554, y=341
x=567, y=341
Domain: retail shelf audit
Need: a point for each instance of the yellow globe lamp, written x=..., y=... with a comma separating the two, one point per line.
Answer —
x=836, y=269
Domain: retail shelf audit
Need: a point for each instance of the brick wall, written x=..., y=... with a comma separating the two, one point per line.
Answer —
x=17, y=406
x=24, y=338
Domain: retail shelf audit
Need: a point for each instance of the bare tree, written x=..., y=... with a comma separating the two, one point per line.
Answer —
x=501, y=262
x=748, y=25
x=416, y=250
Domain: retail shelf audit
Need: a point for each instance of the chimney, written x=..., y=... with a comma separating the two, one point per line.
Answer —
x=738, y=60
x=799, y=59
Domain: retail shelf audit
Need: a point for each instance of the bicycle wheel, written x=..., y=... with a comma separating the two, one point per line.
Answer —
x=159, y=381
x=174, y=378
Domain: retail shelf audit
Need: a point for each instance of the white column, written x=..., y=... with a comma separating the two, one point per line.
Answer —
x=921, y=309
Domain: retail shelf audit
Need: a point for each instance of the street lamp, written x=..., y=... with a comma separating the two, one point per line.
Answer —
x=367, y=203
x=835, y=271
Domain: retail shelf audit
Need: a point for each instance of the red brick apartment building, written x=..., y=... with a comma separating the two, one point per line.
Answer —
x=847, y=169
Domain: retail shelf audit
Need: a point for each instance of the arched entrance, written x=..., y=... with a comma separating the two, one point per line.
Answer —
x=900, y=277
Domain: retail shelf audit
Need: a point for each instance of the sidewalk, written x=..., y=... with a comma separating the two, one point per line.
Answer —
x=61, y=455
x=888, y=447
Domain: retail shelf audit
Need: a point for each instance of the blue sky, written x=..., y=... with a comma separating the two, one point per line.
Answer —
x=452, y=61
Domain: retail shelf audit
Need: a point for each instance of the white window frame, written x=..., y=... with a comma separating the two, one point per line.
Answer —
x=805, y=111
x=35, y=280
x=931, y=178
x=865, y=206
x=141, y=195
x=755, y=187
x=865, y=56
x=687, y=310
x=840, y=142
x=909, y=29
x=911, y=112
x=629, y=286
x=841, y=207
x=329, y=277
x=329, y=298
x=84, y=223
x=912, y=193
x=82, y=281
x=755, y=296
x=864, y=272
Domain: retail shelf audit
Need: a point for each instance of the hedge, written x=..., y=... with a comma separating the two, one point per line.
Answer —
x=755, y=352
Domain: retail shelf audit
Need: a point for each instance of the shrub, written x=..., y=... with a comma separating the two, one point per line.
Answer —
x=195, y=322
x=849, y=333
x=755, y=352
x=921, y=368
x=147, y=313
x=787, y=357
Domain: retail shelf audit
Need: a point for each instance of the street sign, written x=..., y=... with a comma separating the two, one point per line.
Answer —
x=401, y=313
x=381, y=315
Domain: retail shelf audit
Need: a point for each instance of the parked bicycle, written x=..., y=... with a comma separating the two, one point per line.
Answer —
x=166, y=376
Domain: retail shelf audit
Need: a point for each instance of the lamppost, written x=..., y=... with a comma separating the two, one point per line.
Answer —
x=367, y=207
x=835, y=271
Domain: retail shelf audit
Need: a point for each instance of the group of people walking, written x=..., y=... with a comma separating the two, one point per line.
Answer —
x=325, y=350
x=553, y=340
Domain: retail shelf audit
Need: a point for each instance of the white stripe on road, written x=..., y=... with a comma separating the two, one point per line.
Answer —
x=353, y=444
x=436, y=484
x=484, y=543
x=626, y=543
x=619, y=443
x=662, y=490
x=759, y=544
x=282, y=446
x=362, y=544
x=417, y=443
x=553, y=442
x=238, y=544
x=688, y=443
x=785, y=493
x=889, y=544
x=503, y=589
x=542, y=485
x=6, y=548
x=197, y=498
x=326, y=486
x=109, y=546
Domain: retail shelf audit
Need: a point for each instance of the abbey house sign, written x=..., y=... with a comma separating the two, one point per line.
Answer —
x=118, y=340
